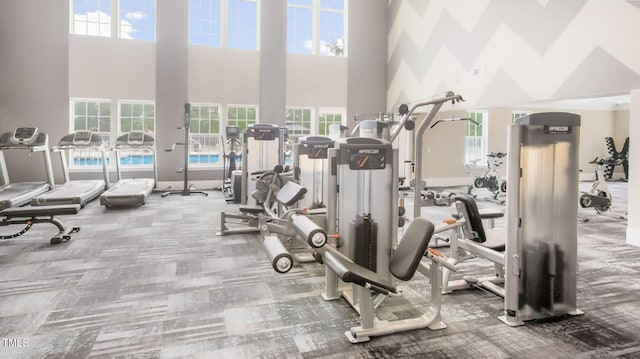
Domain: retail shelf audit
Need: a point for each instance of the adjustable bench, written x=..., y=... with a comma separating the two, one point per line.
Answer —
x=41, y=214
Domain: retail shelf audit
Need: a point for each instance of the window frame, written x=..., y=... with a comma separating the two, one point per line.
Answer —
x=312, y=123
x=115, y=21
x=316, y=27
x=120, y=20
x=516, y=114
x=73, y=154
x=473, y=114
x=119, y=131
x=228, y=107
x=333, y=111
x=215, y=136
x=224, y=24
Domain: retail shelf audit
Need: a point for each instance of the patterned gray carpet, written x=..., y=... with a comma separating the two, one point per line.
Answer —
x=156, y=281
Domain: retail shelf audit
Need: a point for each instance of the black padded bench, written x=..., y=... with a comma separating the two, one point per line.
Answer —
x=39, y=214
x=40, y=211
x=494, y=238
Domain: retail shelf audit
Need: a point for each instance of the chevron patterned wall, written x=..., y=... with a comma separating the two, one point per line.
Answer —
x=511, y=52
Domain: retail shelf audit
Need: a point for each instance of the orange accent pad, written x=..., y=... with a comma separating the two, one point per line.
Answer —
x=450, y=221
x=436, y=252
x=336, y=235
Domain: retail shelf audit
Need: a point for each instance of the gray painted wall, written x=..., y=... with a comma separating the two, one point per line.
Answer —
x=367, y=51
x=34, y=78
x=494, y=56
x=273, y=61
x=168, y=71
x=172, y=83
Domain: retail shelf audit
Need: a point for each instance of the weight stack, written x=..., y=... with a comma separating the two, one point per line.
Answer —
x=364, y=233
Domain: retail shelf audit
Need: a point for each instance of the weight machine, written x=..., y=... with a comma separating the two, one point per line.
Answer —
x=535, y=258
x=366, y=251
x=258, y=141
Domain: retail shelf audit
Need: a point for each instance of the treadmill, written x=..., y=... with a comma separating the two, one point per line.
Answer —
x=23, y=138
x=76, y=191
x=131, y=191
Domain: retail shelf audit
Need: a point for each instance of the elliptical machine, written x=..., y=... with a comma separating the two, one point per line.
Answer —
x=599, y=196
x=231, y=186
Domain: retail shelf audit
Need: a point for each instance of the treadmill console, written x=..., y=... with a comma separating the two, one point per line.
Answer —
x=263, y=132
x=24, y=135
x=135, y=138
x=82, y=138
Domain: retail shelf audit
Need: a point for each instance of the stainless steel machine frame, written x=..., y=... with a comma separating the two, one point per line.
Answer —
x=311, y=168
x=542, y=211
x=259, y=133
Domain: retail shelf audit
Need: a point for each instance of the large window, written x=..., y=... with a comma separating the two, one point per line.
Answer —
x=136, y=116
x=327, y=118
x=91, y=17
x=298, y=121
x=475, y=137
x=90, y=115
x=224, y=23
x=517, y=114
x=241, y=116
x=316, y=27
x=134, y=19
x=95, y=115
x=138, y=19
x=205, y=140
x=243, y=24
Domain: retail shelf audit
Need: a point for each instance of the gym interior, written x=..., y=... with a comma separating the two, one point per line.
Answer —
x=319, y=178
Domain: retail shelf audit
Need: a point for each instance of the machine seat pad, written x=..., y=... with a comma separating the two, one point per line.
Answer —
x=475, y=220
x=251, y=209
x=30, y=212
x=496, y=239
x=290, y=193
x=412, y=248
x=351, y=272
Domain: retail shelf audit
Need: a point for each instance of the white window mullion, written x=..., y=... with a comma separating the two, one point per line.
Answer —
x=224, y=23
x=316, y=27
x=115, y=19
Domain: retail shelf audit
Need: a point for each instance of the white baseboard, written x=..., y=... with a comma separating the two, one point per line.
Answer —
x=633, y=236
x=201, y=185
